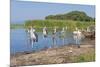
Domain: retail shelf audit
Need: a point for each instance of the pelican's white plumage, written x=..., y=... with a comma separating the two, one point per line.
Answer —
x=32, y=35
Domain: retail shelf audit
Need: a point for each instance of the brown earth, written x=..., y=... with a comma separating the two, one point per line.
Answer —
x=64, y=54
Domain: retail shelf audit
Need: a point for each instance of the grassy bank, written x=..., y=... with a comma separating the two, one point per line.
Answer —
x=50, y=24
x=88, y=57
x=59, y=23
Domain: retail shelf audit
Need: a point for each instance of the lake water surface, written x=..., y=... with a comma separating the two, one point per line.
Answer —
x=19, y=41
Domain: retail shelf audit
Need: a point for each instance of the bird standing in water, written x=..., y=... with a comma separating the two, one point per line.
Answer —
x=77, y=35
x=33, y=36
x=45, y=32
x=63, y=35
x=54, y=36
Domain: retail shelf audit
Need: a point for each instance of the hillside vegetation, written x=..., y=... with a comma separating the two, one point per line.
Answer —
x=73, y=15
x=71, y=20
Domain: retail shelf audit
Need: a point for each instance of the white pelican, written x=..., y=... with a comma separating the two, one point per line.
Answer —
x=88, y=29
x=33, y=36
x=45, y=32
x=77, y=35
x=63, y=34
x=55, y=30
x=63, y=30
x=54, y=36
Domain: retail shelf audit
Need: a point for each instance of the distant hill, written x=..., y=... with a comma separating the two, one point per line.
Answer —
x=73, y=15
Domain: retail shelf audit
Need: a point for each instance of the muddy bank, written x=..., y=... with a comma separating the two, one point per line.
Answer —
x=65, y=54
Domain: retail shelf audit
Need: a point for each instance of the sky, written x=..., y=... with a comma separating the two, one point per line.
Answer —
x=22, y=11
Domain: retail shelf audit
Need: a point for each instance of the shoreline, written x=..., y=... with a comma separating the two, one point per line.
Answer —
x=64, y=54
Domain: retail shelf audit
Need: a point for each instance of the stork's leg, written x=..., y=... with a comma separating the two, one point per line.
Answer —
x=78, y=43
x=75, y=41
x=32, y=42
x=35, y=44
x=63, y=41
x=53, y=41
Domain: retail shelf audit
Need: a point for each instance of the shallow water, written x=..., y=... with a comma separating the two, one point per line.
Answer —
x=19, y=41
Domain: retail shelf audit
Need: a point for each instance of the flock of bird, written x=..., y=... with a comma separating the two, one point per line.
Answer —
x=77, y=35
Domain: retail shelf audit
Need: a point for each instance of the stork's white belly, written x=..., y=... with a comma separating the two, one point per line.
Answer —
x=33, y=36
x=77, y=35
x=44, y=32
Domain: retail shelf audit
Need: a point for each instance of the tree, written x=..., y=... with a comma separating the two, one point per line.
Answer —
x=73, y=15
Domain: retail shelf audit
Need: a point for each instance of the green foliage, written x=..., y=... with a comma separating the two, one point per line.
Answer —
x=73, y=15
x=71, y=20
x=58, y=23
x=86, y=57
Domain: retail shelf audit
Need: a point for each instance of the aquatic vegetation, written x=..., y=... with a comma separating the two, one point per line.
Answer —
x=59, y=23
